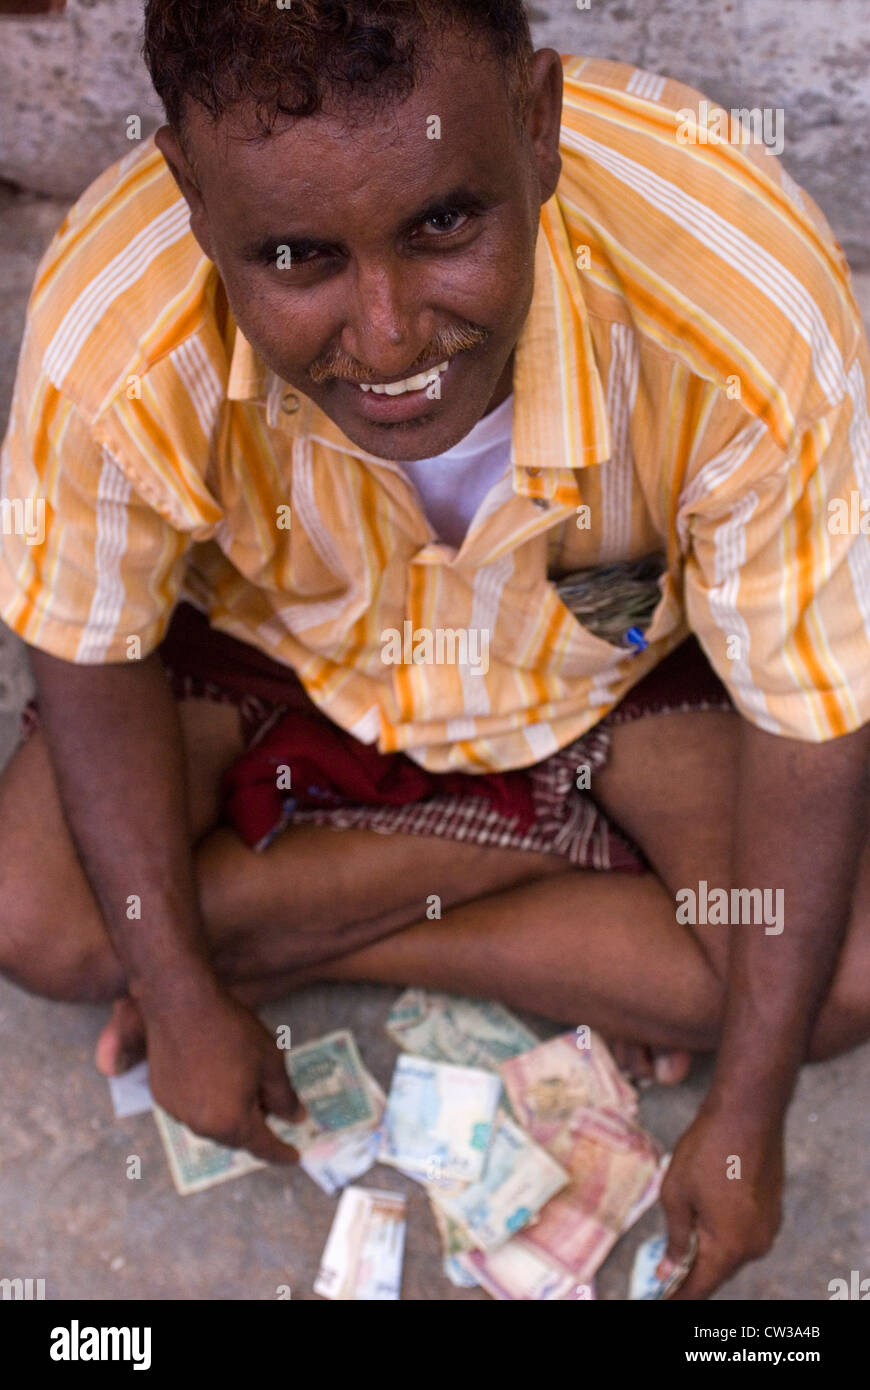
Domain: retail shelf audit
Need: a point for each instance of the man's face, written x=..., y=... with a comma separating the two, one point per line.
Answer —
x=405, y=251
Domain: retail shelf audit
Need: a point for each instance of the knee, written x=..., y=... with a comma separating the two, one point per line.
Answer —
x=52, y=959
x=844, y=1020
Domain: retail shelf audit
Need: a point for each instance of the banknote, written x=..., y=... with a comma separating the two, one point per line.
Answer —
x=517, y=1271
x=329, y=1076
x=438, y=1119
x=130, y=1092
x=546, y=1085
x=334, y=1160
x=458, y=1275
x=196, y=1163
x=454, y=1240
x=450, y=1028
x=518, y=1179
x=616, y=1170
x=363, y=1255
x=454, y=1237
x=645, y=1284
x=608, y=599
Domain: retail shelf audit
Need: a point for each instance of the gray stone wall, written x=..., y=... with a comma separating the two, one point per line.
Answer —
x=69, y=82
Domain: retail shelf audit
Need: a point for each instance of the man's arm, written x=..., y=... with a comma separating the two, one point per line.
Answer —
x=801, y=823
x=115, y=742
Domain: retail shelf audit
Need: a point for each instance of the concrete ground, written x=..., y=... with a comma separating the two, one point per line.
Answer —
x=69, y=1214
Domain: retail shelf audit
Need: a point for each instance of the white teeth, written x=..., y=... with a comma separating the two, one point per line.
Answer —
x=411, y=383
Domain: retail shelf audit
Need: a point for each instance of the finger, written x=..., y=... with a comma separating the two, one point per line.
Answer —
x=279, y=1098
x=706, y=1274
x=262, y=1143
x=680, y=1216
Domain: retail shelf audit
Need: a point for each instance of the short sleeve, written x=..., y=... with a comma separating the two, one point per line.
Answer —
x=85, y=564
x=777, y=569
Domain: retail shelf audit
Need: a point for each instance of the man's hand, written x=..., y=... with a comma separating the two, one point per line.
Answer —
x=736, y=1218
x=214, y=1066
x=800, y=824
x=118, y=755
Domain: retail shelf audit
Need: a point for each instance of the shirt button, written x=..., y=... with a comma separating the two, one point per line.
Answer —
x=290, y=403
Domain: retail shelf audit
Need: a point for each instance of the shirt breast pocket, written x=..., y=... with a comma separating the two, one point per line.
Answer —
x=615, y=608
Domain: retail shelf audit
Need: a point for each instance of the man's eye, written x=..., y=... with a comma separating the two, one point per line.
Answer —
x=288, y=257
x=450, y=215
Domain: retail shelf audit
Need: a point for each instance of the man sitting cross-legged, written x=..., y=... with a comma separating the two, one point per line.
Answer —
x=334, y=399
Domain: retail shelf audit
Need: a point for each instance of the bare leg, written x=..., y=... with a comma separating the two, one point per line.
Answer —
x=315, y=894
x=606, y=949
x=580, y=947
x=601, y=949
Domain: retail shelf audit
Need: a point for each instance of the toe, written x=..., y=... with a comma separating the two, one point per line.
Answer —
x=672, y=1067
x=121, y=1044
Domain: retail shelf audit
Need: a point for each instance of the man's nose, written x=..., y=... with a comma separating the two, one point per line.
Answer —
x=388, y=326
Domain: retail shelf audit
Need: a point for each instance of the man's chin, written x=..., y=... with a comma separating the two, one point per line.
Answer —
x=421, y=438
x=407, y=427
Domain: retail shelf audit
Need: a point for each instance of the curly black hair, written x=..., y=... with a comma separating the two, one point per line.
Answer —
x=287, y=58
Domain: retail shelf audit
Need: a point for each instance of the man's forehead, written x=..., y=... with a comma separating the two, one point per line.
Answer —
x=378, y=180
x=443, y=120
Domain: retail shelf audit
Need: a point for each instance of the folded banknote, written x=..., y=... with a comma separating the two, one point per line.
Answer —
x=197, y=1163
x=549, y=1083
x=450, y=1028
x=363, y=1255
x=616, y=1170
x=335, y=1159
x=645, y=1284
x=519, y=1272
x=518, y=1179
x=329, y=1077
x=438, y=1119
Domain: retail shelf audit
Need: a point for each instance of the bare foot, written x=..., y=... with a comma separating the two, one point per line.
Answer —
x=122, y=1042
x=668, y=1066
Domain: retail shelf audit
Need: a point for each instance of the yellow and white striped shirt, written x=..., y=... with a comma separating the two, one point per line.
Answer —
x=693, y=371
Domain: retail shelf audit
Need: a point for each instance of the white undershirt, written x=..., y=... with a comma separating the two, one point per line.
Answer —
x=453, y=485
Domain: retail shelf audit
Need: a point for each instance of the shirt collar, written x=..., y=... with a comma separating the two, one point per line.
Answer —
x=560, y=413
x=248, y=379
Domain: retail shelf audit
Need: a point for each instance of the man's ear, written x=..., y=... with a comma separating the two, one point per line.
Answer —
x=170, y=147
x=545, y=116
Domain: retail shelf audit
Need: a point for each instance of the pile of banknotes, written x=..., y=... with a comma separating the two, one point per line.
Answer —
x=567, y=1169
x=529, y=1152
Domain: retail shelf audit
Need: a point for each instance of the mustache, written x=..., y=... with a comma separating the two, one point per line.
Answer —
x=446, y=345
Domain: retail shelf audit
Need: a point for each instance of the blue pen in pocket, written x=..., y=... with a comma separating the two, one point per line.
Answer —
x=635, y=640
